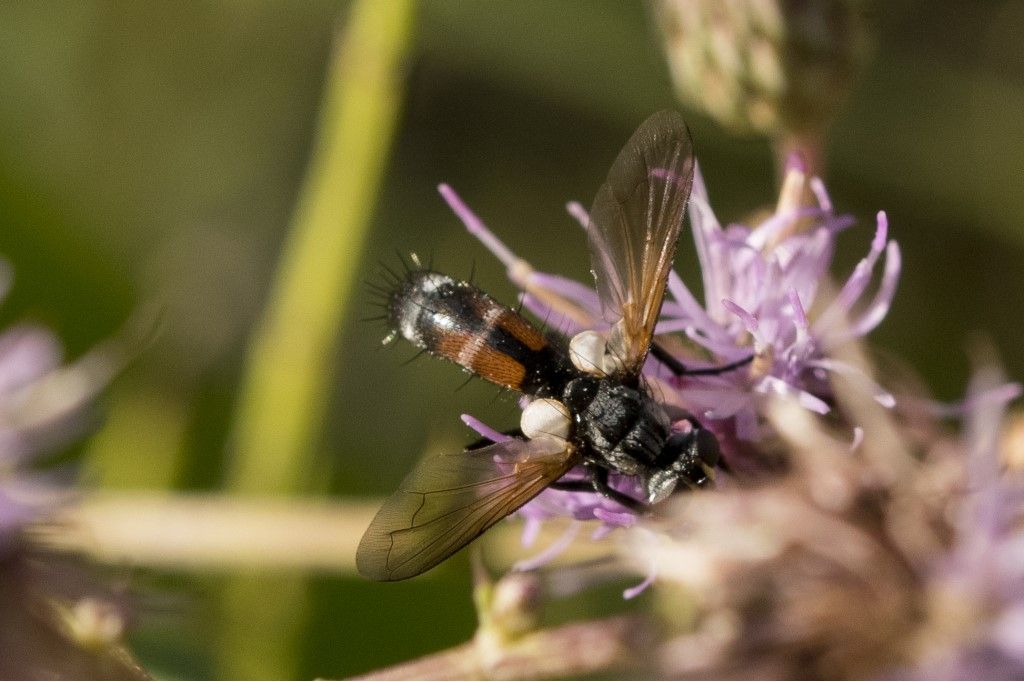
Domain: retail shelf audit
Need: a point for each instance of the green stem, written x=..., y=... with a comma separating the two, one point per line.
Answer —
x=284, y=393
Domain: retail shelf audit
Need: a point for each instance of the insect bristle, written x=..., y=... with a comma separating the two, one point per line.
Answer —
x=401, y=259
x=388, y=274
x=520, y=302
x=414, y=358
x=378, y=299
x=465, y=383
x=382, y=290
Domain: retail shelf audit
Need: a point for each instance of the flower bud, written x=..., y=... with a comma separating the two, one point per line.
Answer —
x=774, y=67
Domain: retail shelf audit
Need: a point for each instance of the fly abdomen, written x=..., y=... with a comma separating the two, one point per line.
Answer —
x=459, y=322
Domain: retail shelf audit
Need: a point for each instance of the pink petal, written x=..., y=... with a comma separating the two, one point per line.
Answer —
x=855, y=284
x=748, y=319
x=806, y=400
x=691, y=309
x=484, y=430
x=577, y=211
x=879, y=307
x=476, y=227
x=881, y=396
x=652, y=575
x=821, y=194
x=548, y=554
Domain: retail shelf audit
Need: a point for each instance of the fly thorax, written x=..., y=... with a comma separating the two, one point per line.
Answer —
x=619, y=426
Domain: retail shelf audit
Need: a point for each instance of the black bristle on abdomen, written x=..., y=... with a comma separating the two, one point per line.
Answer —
x=458, y=321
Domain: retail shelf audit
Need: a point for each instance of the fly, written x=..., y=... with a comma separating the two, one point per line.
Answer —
x=588, y=407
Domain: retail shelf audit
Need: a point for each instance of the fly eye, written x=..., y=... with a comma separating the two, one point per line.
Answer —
x=707, y=448
x=660, y=486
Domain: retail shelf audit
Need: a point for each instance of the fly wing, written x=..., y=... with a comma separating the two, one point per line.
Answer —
x=633, y=230
x=450, y=499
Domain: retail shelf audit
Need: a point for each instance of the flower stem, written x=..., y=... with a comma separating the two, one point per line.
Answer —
x=208, y=533
x=285, y=389
x=809, y=145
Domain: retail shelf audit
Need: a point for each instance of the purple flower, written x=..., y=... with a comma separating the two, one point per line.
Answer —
x=759, y=283
x=42, y=407
x=901, y=560
x=55, y=620
x=975, y=591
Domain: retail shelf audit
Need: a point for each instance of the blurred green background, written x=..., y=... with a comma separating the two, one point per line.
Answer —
x=153, y=155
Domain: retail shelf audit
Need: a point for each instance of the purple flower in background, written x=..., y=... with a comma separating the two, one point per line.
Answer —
x=765, y=295
x=55, y=619
x=975, y=591
x=901, y=560
x=42, y=407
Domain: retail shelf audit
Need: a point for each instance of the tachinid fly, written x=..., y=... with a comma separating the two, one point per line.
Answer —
x=589, y=405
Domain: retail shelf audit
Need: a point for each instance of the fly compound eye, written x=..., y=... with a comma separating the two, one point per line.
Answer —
x=546, y=417
x=587, y=350
x=660, y=486
x=708, y=449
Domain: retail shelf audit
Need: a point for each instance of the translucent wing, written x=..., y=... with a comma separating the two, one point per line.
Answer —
x=450, y=499
x=633, y=230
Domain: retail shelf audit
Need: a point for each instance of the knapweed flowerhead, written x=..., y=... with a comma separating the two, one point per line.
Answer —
x=974, y=586
x=766, y=296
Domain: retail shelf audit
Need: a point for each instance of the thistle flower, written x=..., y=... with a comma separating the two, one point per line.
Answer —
x=760, y=282
x=898, y=558
x=54, y=621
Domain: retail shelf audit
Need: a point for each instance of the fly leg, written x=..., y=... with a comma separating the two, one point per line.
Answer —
x=598, y=482
x=581, y=485
x=680, y=370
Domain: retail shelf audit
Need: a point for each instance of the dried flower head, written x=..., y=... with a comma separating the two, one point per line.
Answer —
x=766, y=66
